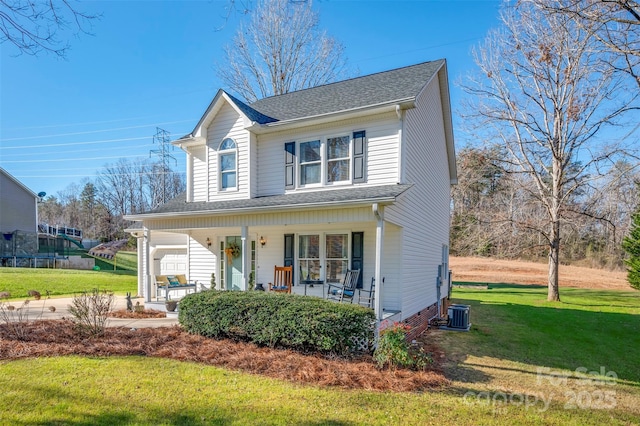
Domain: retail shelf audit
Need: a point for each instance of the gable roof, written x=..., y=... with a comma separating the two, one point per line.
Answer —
x=383, y=88
x=396, y=85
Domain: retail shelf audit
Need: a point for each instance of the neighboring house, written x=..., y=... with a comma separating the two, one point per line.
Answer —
x=18, y=217
x=350, y=175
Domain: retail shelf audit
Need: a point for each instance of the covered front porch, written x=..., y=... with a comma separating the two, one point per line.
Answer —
x=239, y=252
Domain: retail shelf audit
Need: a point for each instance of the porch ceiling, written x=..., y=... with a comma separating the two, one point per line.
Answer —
x=308, y=199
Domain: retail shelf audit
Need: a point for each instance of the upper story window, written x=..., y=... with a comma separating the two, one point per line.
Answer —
x=338, y=159
x=228, y=165
x=335, y=159
x=310, y=162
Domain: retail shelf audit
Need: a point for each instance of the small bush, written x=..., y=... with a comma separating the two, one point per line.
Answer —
x=393, y=350
x=17, y=319
x=284, y=320
x=90, y=311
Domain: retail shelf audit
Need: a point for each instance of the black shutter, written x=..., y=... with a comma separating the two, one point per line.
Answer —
x=357, y=254
x=289, y=165
x=288, y=253
x=359, y=157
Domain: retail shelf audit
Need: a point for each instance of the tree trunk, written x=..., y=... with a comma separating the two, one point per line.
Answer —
x=553, y=294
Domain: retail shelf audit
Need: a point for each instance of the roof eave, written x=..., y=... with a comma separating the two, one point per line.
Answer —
x=406, y=103
x=248, y=210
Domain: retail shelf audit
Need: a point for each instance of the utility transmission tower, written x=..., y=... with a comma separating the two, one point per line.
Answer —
x=162, y=139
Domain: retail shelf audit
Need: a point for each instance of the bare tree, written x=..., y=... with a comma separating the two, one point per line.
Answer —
x=280, y=50
x=33, y=26
x=546, y=94
x=614, y=23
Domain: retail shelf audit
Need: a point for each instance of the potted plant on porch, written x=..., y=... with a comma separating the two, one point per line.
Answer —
x=171, y=305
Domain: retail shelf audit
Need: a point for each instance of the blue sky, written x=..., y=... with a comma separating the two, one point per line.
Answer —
x=152, y=64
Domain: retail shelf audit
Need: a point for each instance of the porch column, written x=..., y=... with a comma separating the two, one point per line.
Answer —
x=377, y=211
x=147, y=264
x=243, y=236
x=140, y=249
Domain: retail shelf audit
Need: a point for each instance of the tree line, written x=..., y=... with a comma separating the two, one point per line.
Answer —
x=496, y=212
x=97, y=206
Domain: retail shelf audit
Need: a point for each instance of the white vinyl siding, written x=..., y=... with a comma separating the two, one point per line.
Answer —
x=424, y=210
x=199, y=155
x=202, y=260
x=382, y=143
x=18, y=209
x=228, y=124
x=393, y=287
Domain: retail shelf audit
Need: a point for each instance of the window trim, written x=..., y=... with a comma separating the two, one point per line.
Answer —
x=222, y=152
x=322, y=251
x=357, y=159
x=300, y=164
x=326, y=160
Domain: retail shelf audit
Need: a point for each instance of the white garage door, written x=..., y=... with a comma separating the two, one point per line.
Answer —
x=173, y=262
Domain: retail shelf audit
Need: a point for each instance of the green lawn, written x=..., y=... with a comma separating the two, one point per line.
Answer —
x=18, y=281
x=589, y=328
x=124, y=261
x=520, y=355
x=135, y=390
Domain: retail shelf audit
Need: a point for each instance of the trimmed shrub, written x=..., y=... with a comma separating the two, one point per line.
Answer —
x=393, y=350
x=284, y=320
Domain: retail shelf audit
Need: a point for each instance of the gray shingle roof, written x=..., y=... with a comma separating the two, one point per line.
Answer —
x=374, y=89
x=251, y=113
x=294, y=200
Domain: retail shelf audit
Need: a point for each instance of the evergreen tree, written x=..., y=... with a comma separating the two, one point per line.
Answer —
x=631, y=244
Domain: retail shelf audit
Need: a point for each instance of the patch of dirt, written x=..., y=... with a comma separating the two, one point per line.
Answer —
x=490, y=270
x=58, y=337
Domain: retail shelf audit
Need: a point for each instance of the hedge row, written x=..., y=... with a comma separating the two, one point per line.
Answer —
x=284, y=320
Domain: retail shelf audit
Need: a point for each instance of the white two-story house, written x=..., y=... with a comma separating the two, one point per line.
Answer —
x=350, y=175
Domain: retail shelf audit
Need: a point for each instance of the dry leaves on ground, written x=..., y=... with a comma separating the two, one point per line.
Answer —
x=58, y=337
x=146, y=313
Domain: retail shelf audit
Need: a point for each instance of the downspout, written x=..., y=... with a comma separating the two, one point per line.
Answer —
x=400, y=115
x=189, y=177
x=378, y=270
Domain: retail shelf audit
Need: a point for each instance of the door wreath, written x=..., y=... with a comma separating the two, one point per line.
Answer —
x=232, y=251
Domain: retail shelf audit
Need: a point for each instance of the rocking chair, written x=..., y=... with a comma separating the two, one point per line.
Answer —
x=282, y=279
x=346, y=290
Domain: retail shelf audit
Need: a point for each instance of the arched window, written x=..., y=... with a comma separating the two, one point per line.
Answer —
x=227, y=154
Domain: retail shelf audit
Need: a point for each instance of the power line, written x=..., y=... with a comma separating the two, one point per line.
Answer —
x=88, y=132
x=66, y=159
x=75, y=151
x=49, y=126
x=75, y=143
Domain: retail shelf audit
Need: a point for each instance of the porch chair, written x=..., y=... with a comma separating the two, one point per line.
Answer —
x=368, y=298
x=346, y=290
x=282, y=279
x=161, y=284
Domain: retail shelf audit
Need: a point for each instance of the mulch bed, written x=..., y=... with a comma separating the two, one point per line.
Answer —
x=58, y=337
x=146, y=313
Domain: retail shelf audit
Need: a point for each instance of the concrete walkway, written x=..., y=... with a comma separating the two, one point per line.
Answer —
x=41, y=309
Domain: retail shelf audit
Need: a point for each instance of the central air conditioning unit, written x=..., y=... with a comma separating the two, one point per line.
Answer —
x=458, y=317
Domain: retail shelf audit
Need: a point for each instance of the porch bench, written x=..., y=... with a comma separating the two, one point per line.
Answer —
x=174, y=282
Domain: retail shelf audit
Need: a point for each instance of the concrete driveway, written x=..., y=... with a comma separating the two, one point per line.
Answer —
x=42, y=309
